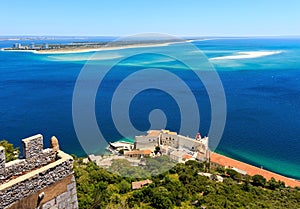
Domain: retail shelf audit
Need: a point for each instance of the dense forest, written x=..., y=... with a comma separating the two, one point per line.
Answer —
x=179, y=187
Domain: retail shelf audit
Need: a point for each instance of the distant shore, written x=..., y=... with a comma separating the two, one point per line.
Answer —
x=104, y=48
x=67, y=49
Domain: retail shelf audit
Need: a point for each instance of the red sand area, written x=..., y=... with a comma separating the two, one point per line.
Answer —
x=251, y=170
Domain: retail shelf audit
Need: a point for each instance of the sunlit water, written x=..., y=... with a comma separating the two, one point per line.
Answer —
x=262, y=91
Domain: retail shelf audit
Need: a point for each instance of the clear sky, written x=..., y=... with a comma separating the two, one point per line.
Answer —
x=127, y=17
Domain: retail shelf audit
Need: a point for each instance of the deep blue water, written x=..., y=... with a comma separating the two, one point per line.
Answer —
x=262, y=93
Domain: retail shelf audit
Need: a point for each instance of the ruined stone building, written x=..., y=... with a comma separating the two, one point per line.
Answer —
x=41, y=179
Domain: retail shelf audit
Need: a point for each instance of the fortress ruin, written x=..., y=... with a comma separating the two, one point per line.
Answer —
x=41, y=179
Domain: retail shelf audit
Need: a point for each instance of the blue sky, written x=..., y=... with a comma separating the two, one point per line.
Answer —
x=127, y=17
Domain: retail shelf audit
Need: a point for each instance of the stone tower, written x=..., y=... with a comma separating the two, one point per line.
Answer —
x=42, y=179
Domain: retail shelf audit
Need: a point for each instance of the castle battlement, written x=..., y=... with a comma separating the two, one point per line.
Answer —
x=34, y=156
x=42, y=178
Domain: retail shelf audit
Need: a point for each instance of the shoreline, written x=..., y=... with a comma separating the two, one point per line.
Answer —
x=91, y=49
x=251, y=169
x=229, y=162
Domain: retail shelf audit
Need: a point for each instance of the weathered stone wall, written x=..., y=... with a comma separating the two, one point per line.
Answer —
x=188, y=143
x=169, y=140
x=32, y=146
x=23, y=179
x=60, y=195
x=34, y=157
x=35, y=183
x=68, y=199
x=145, y=142
x=2, y=161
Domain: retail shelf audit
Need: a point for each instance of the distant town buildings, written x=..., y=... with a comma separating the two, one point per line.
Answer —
x=31, y=46
x=45, y=46
x=17, y=46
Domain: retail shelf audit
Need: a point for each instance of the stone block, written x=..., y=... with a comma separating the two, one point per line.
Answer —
x=32, y=146
x=49, y=204
x=2, y=160
x=75, y=206
x=70, y=186
x=62, y=205
x=74, y=198
x=73, y=191
x=62, y=197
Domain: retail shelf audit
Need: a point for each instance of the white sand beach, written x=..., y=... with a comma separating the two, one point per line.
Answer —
x=104, y=48
x=247, y=55
x=87, y=49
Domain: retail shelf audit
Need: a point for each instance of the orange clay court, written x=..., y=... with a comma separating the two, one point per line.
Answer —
x=251, y=170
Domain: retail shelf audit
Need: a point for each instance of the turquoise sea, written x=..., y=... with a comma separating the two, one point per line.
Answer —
x=262, y=93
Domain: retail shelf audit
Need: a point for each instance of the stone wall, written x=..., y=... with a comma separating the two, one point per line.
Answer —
x=146, y=142
x=34, y=156
x=2, y=161
x=36, y=172
x=68, y=199
x=32, y=146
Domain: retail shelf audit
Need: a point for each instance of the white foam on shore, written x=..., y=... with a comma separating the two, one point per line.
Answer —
x=247, y=55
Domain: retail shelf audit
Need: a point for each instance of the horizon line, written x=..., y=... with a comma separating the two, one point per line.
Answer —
x=182, y=36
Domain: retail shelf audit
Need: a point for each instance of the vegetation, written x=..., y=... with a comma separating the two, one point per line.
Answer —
x=11, y=152
x=150, y=167
x=180, y=187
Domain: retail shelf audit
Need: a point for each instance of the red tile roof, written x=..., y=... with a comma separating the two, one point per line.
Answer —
x=140, y=184
x=187, y=157
x=153, y=133
x=138, y=152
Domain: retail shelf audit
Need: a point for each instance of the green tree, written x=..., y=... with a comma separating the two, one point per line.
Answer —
x=124, y=187
x=160, y=198
x=246, y=186
x=11, y=152
x=181, y=188
x=258, y=180
x=220, y=170
x=234, y=174
x=273, y=184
